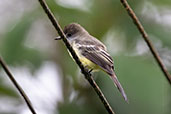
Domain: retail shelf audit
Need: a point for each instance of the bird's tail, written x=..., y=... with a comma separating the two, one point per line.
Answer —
x=118, y=85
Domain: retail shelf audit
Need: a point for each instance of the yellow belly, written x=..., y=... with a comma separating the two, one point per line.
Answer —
x=86, y=62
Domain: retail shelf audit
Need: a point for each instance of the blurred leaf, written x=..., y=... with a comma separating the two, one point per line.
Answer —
x=13, y=49
x=162, y=2
x=146, y=87
x=7, y=91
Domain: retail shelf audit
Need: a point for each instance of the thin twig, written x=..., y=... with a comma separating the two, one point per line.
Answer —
x=21, y=91
x=146, y=38
x=84, y=71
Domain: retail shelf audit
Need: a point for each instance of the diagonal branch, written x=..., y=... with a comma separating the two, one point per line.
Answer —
x=84, y=71
x=21, y=91
x=146, y=38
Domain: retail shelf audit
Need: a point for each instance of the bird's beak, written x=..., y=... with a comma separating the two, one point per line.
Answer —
x=58, y=38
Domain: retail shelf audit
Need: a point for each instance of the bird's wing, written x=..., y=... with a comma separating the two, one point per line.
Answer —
x=99, y=56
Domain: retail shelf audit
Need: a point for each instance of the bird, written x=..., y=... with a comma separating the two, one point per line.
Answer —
x=91, y=52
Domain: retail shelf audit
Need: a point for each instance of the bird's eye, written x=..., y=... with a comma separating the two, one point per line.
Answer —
x=69, y=35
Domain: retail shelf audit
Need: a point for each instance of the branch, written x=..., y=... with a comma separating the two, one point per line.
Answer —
x=146, y=38
x=83, y=70
x=21, y=91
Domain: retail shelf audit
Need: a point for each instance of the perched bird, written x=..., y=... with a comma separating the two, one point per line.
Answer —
x=91, y=52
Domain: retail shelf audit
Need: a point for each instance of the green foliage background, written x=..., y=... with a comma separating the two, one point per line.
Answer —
x=147, y=89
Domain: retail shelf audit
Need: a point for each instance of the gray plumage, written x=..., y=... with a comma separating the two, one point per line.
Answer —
x=93, y=50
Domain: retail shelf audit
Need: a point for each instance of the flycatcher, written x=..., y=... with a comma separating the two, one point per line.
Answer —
x=91, y=52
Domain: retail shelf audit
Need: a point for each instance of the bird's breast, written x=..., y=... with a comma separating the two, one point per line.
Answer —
x=86, y=62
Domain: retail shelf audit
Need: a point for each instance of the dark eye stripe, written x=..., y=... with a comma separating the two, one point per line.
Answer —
x=69, y=35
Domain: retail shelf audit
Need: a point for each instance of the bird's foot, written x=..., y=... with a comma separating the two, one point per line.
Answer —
x=88, y=70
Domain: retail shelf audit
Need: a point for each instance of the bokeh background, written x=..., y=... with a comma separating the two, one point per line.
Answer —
x=53, y=82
